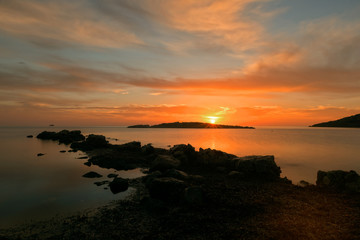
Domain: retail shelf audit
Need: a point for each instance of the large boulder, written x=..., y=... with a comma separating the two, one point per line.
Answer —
x=340, y=180
x=167, y=189
x=119, y=185
x=185, y=153
x=214, y=157
x=164, y=162
x=257, y=167
x=91, y=142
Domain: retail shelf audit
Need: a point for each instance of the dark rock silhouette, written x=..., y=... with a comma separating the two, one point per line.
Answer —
x=348, y=122
x=40, y=154
x=119, y=185
x=90, y=143
x=64, y=136
x=92, y=175
x=29, y=136
x=339, y=180
x=167, y=189
x=189, y=125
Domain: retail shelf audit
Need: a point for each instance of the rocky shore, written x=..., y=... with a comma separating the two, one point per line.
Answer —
x=205, y=194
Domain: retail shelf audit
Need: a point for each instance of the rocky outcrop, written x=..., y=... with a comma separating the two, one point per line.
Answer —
x=339, y=180
x=164, y=162
x=92, y=142
x=64, y=136
x=212, y=157
x=257, y=167
x=185, y=153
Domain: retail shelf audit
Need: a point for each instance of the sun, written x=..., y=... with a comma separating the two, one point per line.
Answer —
x=212, y=119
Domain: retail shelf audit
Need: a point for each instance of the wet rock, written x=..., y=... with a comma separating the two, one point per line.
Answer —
x=64, y=136
x=112, y=175
x=92, y=175
x=194, y=195
x=212, y=157
x=91, y=142
x=84, y=157
x=340, y=180
x=150, y=177
x=173, y=173
x=118, y=185
x=133, y=146
x=40, y=154
x=185, y=153
x=30, y=136
x=63, y=151
x=101, y=183
x=87, y=164
x=148, y=149
x=167, y=189
x=164, y=162
x=257, y=167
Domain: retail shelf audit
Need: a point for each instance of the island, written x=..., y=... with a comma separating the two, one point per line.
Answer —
x=189, y=125
x=348, y=122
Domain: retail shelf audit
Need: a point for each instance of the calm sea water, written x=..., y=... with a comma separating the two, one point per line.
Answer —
x=33, y=187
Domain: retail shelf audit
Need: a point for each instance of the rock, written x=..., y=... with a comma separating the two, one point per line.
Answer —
x=153, y=205
x=257, y=167
x=194, y=195
x=167, y=189
x=112, y=175
x=92, y=175
x=63, y=151
x=235, y=174
x=64, y=136
x=130, y=147
x=173, y=173
x=164, y=162
x=101, y=183
x=148, y=149
x=85, y=157
x=91, y=142
x=40, y=154
x=185, y=153
x=118, y=185
x=304, y=183
x=213, y=157
x=72, y=150
x=87, y=164
x=196, y=178
x=340, y=180
x=150, y=177
x=30, y=136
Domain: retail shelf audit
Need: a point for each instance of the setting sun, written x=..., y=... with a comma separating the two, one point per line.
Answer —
x=212, y=120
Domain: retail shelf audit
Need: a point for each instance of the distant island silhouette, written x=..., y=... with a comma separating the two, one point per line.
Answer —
x=189, y=125
x=349, y=122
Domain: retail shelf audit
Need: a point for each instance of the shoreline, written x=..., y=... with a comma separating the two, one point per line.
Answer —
x=229, y=199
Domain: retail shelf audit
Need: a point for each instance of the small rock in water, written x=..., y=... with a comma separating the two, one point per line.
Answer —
x=63, y=151
x=85, y=157
x=87, y=163
x=92, y=175
x=30, y=136
x=40, y=154
x=112, y=175
x=101, y=183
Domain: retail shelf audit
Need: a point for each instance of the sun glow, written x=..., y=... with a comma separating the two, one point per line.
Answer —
x=212, y=120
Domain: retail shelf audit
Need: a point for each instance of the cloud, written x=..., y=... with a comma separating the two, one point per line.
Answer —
x=58, y=24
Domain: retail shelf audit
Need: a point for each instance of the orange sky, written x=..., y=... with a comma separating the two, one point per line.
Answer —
x=243, y=62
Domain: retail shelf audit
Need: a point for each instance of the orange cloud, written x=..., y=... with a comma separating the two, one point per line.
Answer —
x=52, y=23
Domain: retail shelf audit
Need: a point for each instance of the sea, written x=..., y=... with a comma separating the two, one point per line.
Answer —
x=41, y=187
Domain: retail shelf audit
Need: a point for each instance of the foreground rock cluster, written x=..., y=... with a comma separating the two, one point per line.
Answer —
x=205, y=194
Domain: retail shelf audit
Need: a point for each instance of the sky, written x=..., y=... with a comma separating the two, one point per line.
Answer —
x=123, y=62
